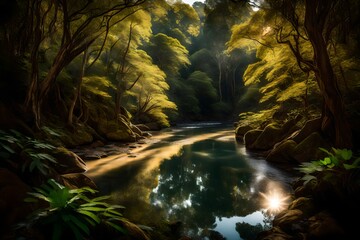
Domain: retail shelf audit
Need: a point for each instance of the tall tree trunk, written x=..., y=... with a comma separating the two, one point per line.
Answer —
x=335, y=122
x=77, y=92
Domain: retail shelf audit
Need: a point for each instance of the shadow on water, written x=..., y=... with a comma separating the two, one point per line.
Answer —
x=198, y=175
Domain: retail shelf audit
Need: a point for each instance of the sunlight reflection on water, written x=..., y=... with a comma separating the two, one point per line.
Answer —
x=198, y=175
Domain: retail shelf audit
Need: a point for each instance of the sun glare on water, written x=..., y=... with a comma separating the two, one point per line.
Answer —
x=274, y=201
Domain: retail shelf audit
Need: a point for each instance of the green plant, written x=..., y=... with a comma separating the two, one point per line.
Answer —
x=341, y=159
x=71, y=210
x=28, y=153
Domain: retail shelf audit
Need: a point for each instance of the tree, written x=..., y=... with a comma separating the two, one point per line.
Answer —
x=168, y=53
x=319, y=24
x=149, y=98
x=69, y=26
x=180, y=21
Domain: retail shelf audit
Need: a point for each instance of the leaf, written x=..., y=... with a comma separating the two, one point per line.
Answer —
x=41, y=145
x=335, y=161
x=91, y=203
x=326, y=151
x=90, y=215
x=117, y=227
x=7, y=148
x=326, y=161
x=143, y=227
x=349, y=166
x=101, y=198
x=111, y=215
x=40, y=196
x=53, y=183
x=308, y=178
x=73, y=199
x=331, y=165
x=346, y=154
x=93, y=209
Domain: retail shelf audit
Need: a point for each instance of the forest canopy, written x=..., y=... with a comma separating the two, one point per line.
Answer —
x=161, y=62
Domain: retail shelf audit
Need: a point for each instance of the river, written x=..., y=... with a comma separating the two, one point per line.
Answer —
x=199, y=175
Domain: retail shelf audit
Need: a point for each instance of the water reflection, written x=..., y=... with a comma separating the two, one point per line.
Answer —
x=208, y=181
x=199, y=176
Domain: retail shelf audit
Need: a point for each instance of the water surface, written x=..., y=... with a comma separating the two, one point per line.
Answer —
x=196, y=174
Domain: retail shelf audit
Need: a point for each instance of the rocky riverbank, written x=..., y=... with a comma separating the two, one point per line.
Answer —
x=325, y=205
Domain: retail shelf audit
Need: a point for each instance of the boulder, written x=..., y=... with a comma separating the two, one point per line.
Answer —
x=282, y=152
x=306, y=189
x=308, y=149
x=78, y=180
x=287, y=218
x=68, y=161
x=305, y=204
x=241, y=130
x=271, y=135
x=251, y=136
x=310, y=127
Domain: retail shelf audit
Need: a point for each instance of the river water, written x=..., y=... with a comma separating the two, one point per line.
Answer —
x=199, y=175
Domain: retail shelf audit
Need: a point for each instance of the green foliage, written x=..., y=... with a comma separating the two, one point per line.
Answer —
x=257, y=118
x=341, y=159
x=177, y=20
x=71, y=210
x=30, y=154
x=168, y=53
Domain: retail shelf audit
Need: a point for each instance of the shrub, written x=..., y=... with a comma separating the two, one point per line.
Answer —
x=27, y=153
x=71, y=211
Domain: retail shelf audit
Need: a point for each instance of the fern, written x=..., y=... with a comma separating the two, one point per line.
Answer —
x=34, y=153
x=72, y=210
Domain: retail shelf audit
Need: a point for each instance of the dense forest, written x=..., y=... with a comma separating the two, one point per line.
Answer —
x=82, y=72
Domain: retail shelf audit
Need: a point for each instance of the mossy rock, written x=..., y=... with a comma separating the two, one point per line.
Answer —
x=308, y=149
x=121, y=135
x=251, y=136
x=241, y=130
x=271, y=135
x=68, y=162
x=116, y=130
x=78, y=180
x=310, y=126
x=305, y=204
x=282, y=153
x=287, y=218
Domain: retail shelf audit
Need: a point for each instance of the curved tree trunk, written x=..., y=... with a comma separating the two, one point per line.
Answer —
x=334, y=120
